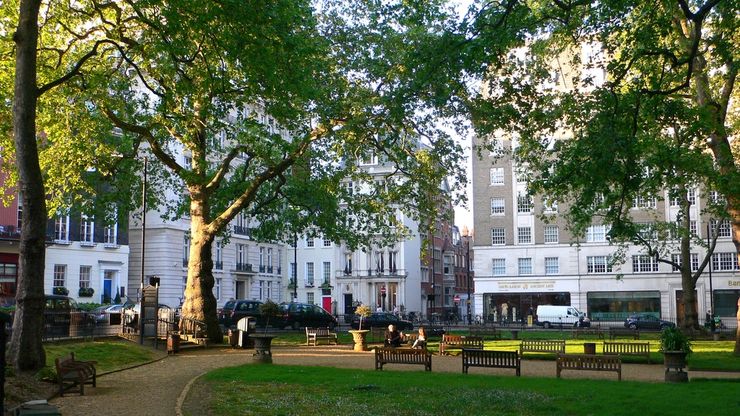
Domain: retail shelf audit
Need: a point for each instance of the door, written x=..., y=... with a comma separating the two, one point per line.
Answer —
x=241, y=289
x=349, y=309
x=107, y=290
x=326, y=303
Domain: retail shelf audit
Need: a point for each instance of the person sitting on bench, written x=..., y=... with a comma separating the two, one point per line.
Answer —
x=392, y=337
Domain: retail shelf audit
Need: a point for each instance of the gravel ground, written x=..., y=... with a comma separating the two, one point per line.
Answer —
x=159, y=388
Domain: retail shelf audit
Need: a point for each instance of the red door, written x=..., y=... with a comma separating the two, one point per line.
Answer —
x=326, y=303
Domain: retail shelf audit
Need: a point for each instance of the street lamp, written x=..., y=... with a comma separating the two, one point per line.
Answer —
x=467, y=267
x=295, y=267
x=143, y=244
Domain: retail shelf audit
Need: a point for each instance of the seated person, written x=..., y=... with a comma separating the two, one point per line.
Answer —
x=421, y=340
x=392, y=337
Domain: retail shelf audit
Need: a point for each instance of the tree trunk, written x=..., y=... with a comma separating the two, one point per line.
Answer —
x=688, y=280
x=200, y=303
x=26, y=350
x=737, y=331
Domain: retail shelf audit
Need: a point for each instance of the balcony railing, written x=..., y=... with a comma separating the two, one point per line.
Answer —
x=262, y=268
x=244, y=267
x=218, y=265
x=185, y=262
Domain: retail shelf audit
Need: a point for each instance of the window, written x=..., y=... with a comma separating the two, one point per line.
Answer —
x=241, y=255
x=217, y=289
x=327, y=271
x=309, y=274
x=218, y=263
x=525, y=265
x=724, y=261
x=596, y=233
x=87, y=229
x=499, y=267
x=347, y=263
x=647, y=230
x=721, y=228
x=85, y=272
x=61, y=228
x=690, y=196
x=551, y=265
x=551, y=234
x=524, y=204
x=111, y=234
x=644, y=202
x=185, y=250
x=644, y=264
x=598, y=264
x=524, y=235
x=676, y=258
x=310, y=298
x=551, y=207
x=497, y=206
x=60, y=275
x=497, y=176
x=269, y=258
x=392, y=255
x=498, y=236
x=262, y=258
x=716, y=198
x=20, y=210
x=240, y=225
x=309, y=242
x=693, y=228
x=327, y=242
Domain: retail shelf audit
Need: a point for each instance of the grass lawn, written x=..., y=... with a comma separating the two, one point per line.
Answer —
x=293, y=390
x=708, y=355
x=110, y=355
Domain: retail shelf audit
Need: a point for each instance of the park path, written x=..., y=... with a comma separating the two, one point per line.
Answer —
x=154, y=389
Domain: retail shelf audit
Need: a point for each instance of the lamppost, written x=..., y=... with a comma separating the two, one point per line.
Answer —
x=295, y=267
x=143, y=244
x=467, y=267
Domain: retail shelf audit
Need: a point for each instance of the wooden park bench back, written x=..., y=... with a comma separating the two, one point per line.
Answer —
x=72, y=373
x=388, y=355
x=491, y=359
x=589, y=362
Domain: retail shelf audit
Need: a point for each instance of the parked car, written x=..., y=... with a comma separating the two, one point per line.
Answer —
x=382, y=320
x=646, y=321
x=234, y=310
x=296, y=315
x=101, y=314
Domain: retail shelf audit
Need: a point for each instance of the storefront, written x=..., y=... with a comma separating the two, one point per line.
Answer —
x=514, y=307
x=617, y=306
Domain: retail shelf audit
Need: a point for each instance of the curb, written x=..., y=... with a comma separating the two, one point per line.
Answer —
x=184, y=393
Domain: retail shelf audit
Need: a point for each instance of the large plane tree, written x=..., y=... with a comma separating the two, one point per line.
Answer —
x=267, y=108
x=645, y=91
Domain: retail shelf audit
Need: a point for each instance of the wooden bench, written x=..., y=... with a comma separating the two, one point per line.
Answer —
x=623, y=332
x=628, y=348
x=71, y=373
x=579, y=332
x=491, y=359
x=387, y=355
x=589, y=362
x=314, y=335
x=459, y=341
x=549, y=346
x=409, y=339
x=484, y=332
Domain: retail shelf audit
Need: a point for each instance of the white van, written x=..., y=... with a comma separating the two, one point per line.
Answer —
x=557, y=315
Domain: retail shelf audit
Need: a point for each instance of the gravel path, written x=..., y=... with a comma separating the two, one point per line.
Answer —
x=155, y=389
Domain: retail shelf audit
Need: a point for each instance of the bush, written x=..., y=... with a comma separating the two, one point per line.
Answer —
x=60, y=290
x=86, y=292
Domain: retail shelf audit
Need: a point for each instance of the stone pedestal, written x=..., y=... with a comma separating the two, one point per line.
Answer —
x=360, y=339
x=262, y=348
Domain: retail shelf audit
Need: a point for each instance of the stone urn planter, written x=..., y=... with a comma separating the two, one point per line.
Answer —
x=262, y=348
x=675, y=362
x=359, y=336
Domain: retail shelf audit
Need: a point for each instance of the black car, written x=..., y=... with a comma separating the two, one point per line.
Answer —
x=647, y=321
x=234, y=310
x=296, y=315
x=382, y=320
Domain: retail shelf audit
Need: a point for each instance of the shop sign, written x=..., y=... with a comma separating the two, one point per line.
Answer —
x=535, y=285
x=733, y=283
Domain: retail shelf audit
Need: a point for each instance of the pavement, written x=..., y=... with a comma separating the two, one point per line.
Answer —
x=161, y=387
